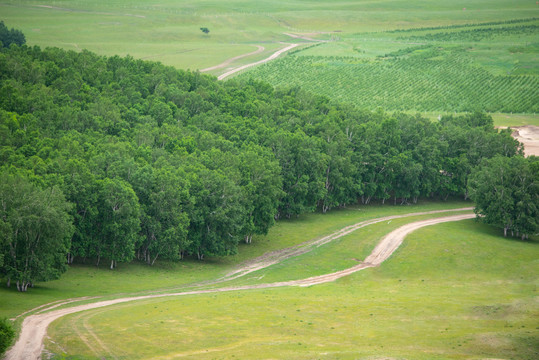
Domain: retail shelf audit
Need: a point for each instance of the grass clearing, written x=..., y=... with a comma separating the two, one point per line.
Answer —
x=87, y=280
x=454, y=290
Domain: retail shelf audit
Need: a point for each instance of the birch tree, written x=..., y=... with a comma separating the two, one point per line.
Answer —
x=36, y=231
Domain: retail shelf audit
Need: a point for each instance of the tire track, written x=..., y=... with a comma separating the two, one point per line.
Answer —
x=271, y=57
x=34, y=327
x=229, y=61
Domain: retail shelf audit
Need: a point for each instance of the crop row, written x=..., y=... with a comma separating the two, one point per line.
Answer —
x=460, y=26
x=476, y=34
x=452, y=83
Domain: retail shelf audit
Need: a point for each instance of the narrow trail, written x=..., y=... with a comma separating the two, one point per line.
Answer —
x=260, y=49
x=34, y=327
x=271, y=57
x=229, y=61
x=277, y=256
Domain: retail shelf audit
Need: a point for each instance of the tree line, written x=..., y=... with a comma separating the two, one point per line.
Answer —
x=114, y=159
x=10, y=36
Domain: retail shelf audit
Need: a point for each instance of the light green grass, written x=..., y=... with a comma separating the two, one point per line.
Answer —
x=343, y=253
x=499, y=119
x=489, y=75
x=451, y=291
x=515, y=119
x=169, y=30
x=87, y=280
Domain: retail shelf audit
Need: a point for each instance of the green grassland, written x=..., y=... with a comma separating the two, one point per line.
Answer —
x=452, y=291
x=446, y=61
x=88, y=280
x=169, y=31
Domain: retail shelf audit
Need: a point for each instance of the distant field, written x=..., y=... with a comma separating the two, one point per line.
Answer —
x=491, y=67
x=451, y=65
x=169, y=30
x=456, y=290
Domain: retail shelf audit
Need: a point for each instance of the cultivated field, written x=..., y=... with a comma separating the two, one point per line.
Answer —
x=458, y=56
x=491, y=67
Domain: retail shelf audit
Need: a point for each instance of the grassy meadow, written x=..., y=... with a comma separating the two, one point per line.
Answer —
x=452, y=291
x=88, y=280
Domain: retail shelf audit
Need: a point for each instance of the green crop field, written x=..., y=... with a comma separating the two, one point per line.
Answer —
x=456, y=290
x=491, y=67
x=458, y=56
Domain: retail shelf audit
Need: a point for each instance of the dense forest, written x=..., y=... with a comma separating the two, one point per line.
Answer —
x=113, y=158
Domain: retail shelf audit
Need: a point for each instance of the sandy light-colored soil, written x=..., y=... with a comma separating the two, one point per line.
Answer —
x=275, y=55
x=229, y=61
x=34, y=327
x=529, y=136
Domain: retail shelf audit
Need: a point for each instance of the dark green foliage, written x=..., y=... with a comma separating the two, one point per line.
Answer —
x=8, y=37
x=36, y=231
x=6, y=334
x=506, y=193
x=160, y=163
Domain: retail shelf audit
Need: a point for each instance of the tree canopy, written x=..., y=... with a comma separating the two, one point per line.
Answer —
x=506, y=193
x=159, y=163
x=8, y=37
x=36, y=231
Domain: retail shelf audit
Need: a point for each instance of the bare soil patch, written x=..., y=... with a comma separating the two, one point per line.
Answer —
x=529, y=136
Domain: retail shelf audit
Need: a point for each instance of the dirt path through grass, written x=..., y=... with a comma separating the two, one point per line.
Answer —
x=34, y=327
x=229, y=61
x=271, y=57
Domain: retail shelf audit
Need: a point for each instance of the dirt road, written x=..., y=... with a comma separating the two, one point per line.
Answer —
x=229, y=61
x=34, y=327
x=273, y=56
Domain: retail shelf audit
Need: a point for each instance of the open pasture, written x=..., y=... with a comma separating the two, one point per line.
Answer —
x=135, y=278
x=457, y=56
x=169, y=31
x=456, y=290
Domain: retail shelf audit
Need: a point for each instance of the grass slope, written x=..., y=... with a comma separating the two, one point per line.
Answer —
x=452, y=291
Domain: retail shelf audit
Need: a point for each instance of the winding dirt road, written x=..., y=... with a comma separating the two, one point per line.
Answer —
x=229, y=61
x=34, y=327
x=271, y=57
